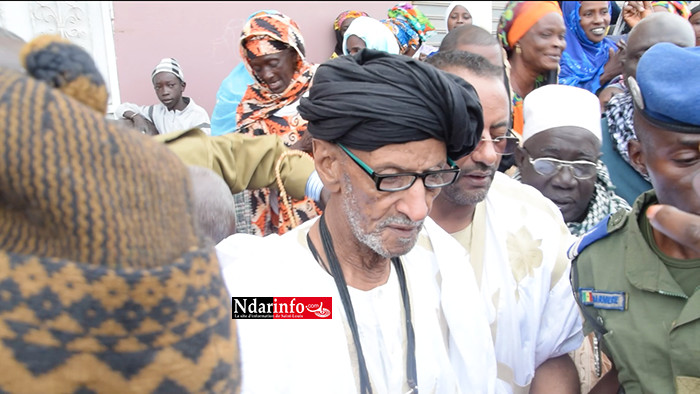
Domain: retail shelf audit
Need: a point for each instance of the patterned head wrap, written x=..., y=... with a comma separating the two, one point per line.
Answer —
x=410, y=26
x=269, y=32
x=427, y=103
x=518, y=17
x=104, y=284
x=675, y=7
x=67, y=67
x=405, y=35
x=347, y=15
x=338, y=51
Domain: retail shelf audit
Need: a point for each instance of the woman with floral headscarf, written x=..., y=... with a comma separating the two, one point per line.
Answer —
x=533, y=36
x=340, y=26
x=588, y=61
x=272, y=49
x=410, y=26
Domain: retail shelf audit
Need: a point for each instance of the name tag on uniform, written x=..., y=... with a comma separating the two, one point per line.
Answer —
x=616, y=300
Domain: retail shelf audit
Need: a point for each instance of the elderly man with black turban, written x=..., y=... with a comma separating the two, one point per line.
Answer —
x=394, y=316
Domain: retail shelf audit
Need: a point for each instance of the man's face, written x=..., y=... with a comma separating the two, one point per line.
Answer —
x=389, y=222
x=168, y=88
x=672, y=160
x=572, y=195
x=479, y=167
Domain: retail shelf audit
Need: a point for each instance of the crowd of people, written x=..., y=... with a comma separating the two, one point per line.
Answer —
x=508, y=212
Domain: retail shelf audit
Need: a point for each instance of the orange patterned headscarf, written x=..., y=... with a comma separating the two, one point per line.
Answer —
x=266, y=33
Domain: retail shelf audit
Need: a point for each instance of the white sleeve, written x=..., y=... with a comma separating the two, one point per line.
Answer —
x=123, y=107
x=561, y=327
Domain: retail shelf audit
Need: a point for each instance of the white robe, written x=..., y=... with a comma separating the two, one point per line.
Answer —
x=524, y=279
x=318, y=356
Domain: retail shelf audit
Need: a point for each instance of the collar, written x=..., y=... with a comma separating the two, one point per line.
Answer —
x=643, y=268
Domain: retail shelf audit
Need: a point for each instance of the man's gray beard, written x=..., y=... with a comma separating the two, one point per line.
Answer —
x=374, y=240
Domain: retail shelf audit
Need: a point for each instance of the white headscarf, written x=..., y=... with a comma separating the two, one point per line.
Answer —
x=479, y=10
x=374, y=33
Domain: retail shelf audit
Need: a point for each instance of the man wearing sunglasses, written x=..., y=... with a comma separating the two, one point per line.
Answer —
x=515, y=239
x=384, y=146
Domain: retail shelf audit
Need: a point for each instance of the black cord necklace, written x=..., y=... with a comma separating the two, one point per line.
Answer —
x=342, y=287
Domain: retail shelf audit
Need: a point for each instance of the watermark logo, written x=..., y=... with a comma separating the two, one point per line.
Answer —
x=282, y=307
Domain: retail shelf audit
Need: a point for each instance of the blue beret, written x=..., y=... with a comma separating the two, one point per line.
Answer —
x=665, y=97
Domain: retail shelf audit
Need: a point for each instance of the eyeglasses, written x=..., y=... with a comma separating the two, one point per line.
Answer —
x=547, y=166
x=402, y=181
x=504, y=144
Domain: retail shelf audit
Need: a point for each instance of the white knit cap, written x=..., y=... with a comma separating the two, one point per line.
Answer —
x=168, y=65
x=552, y=106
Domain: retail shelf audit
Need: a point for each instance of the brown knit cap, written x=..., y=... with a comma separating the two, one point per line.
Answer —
x=66, y=66
x=104, y=285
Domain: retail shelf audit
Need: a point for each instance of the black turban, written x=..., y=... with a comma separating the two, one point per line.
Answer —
x=373, y=99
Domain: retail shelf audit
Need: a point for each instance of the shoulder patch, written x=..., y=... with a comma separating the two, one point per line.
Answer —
x=599, y=231
x=617, y=220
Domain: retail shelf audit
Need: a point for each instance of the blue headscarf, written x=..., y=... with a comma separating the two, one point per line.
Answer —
x=583, y=61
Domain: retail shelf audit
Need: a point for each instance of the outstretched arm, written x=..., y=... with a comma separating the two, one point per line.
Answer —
x=245, y=162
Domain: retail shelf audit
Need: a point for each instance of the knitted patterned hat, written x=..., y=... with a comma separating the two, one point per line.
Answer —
x=67, y=67
x=168, y=65
x=104, y=285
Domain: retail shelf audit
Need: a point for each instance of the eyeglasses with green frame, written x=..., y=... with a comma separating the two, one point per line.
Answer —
x=396, y=182
x=549, y=166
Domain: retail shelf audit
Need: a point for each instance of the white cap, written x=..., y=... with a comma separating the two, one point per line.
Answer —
x=552, y=106
x=168, y=65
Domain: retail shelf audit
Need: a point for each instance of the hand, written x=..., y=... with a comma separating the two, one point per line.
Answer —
x=304, y=143
x=635, y=11
x=612, y=68
x=144, y=125
x=682, y=227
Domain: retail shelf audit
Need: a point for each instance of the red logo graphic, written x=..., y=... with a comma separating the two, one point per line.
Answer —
x=282, y=307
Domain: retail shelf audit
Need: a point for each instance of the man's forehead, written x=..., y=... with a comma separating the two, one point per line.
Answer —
x=429, y=151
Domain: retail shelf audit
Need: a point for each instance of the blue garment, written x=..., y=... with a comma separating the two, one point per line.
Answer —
x=583, y=61
x=231, y=90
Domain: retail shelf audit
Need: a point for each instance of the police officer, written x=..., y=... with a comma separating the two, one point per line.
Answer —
x=636, y=285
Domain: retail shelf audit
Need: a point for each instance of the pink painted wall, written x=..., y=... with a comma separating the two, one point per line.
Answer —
x=203, y=37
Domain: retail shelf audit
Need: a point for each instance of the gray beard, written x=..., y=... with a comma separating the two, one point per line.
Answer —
x=373, y=240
